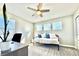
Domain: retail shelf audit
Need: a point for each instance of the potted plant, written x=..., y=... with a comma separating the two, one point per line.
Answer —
x=4, y=45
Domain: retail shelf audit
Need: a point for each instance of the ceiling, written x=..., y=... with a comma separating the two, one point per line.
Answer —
x=56, y=10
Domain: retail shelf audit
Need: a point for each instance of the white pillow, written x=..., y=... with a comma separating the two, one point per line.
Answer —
x=43, y=35
x=52, y=36
x=36, y=35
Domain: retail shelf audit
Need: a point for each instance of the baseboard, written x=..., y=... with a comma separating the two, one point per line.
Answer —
x=67, y=46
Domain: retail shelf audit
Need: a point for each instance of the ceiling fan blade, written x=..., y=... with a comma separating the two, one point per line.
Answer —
x=47, y=10
x=31, y=8
x=39, y=6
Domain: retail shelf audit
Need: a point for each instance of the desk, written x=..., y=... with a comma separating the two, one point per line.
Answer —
x=16, y=49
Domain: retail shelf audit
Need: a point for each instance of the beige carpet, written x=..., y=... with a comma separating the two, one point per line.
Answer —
x=50, y=50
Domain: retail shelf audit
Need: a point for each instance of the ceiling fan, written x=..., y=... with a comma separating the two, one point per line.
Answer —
x=39, y=11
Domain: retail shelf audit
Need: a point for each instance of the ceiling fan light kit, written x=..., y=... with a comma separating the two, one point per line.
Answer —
x=38, y=13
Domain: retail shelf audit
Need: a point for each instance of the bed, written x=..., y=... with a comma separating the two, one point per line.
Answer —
x=51, y=40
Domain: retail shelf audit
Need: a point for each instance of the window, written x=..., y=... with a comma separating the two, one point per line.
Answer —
x=11, y=24
x=57, y=26
x=10, y=27
x=47, y=26
x=1, y=22
x=39, y=27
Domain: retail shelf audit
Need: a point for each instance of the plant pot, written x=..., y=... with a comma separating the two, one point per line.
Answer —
x=4, y=46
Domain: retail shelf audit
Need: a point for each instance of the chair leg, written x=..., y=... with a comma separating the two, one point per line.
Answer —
x=58, y=47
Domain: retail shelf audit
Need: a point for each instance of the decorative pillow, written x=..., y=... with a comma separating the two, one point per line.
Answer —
x=47, y=35
x=39, y=36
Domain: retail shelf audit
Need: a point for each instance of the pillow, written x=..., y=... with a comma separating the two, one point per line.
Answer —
x=39, y=36
x=52, y=35
x=47, y=35
x=36, y=35
x=43, y=35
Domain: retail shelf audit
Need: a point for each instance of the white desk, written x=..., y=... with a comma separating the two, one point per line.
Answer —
x=17, y=49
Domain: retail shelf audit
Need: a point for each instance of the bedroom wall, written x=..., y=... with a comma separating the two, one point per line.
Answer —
x=66, y=34
x=24, y=27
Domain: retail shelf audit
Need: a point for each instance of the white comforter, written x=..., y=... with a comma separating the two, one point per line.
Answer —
x=47, y=40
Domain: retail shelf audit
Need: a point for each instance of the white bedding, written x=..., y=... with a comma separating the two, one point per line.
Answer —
x=47, y=40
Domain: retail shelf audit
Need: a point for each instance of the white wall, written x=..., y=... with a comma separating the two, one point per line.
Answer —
x=66, y=34
x=24, y=27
